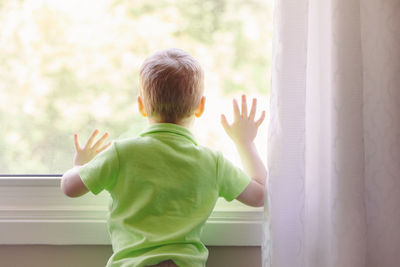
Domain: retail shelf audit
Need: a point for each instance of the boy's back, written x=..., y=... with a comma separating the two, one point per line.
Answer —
x=164, y=187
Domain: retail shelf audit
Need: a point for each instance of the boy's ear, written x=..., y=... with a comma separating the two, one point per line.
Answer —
x=200, y=109
x=141, y=107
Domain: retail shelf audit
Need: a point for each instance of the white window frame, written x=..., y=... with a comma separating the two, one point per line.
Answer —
x=34, y=210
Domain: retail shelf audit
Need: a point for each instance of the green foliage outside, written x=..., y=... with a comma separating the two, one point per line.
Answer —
x=72, y=66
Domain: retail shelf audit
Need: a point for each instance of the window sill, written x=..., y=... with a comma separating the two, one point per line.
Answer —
x=35, y=211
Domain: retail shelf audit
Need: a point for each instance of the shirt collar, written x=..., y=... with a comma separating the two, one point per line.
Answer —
x=169, y=128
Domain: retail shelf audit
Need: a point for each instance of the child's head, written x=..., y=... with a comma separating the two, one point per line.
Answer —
x=171, y=85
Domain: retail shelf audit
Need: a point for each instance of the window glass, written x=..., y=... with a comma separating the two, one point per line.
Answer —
x=72, y=66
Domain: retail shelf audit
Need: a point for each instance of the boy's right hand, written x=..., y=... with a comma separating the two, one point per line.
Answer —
x=244, y=128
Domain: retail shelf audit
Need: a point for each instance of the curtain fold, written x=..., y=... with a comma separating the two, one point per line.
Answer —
x=334, y=135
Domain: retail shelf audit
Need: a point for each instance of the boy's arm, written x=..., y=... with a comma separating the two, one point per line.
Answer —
x=243, y=132
x=71, y=182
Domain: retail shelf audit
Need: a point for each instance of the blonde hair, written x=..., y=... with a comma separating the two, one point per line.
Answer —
x=171, y=85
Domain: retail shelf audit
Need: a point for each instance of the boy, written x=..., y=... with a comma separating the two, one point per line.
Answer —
x=164, y=185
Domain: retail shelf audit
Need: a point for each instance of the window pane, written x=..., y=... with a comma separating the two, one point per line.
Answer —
x=72, y=66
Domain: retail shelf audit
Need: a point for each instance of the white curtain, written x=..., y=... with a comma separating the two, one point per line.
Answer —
x=334, y=138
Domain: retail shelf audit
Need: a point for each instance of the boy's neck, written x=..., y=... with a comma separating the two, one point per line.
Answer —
x=186, y=122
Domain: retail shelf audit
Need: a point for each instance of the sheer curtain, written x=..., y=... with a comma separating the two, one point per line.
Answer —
x=334, y=138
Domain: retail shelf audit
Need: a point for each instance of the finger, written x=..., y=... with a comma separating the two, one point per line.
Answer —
x=76, y=143
x=224, y=123
x=244, y=106
x=236, y=111
x=104, y=147
x=253, y=109
x=100, y=141
x=91, y=139
x=261, y=119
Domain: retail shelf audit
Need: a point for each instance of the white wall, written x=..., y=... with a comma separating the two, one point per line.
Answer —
x=95, y=256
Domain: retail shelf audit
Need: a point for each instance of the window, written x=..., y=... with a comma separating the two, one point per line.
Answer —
x=72, y=66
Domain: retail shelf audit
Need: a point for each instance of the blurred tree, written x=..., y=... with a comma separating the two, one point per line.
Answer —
x=71, y=66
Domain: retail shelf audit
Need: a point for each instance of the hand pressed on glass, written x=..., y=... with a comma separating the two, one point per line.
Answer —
x=71, y=182
x=89, y=151
x=243, y=131
x=244, y=127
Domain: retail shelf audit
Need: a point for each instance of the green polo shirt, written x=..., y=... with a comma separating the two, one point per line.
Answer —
x=163, y=187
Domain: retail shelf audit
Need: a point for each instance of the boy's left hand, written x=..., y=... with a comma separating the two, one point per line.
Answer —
x=89, y=151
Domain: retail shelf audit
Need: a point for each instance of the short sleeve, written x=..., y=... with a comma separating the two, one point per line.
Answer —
x=102, y=171
x=231, y=180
